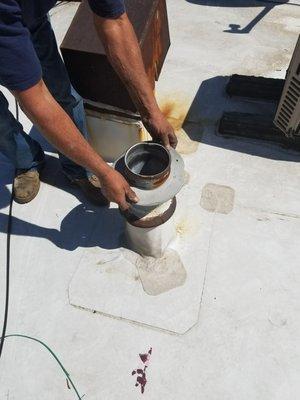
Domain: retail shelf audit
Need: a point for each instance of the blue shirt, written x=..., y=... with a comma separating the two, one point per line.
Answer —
x=19, y=66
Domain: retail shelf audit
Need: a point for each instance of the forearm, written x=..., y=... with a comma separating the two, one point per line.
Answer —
x=123, y=52
x=41, y=108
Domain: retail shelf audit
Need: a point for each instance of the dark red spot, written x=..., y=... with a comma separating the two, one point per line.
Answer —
x=144, y=357
x=141, y=379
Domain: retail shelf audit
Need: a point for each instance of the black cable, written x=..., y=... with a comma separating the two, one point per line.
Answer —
x=3, y=334
x=8, y=236
x=17, y=110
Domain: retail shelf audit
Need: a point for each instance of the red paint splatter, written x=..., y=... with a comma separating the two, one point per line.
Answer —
x=141, y=379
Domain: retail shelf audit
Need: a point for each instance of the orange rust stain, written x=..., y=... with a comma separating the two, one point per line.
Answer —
x=161, y=180
x=158, y=49
x=175, y=112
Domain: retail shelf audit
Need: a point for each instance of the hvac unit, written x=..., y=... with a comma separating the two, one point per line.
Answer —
x=288, y=113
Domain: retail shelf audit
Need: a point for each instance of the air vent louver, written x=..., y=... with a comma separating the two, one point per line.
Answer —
x=288, y=113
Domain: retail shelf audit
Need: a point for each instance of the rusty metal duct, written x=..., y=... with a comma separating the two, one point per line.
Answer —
x=84, y=54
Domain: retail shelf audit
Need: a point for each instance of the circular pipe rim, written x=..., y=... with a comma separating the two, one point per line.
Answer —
x=147, y=181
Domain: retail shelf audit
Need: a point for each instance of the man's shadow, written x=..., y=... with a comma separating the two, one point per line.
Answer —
x=236, y=28
x=83, y=226
x=86, y=225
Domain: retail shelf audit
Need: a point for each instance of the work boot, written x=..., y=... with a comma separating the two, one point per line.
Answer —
x=26, y=185
x=91, y=189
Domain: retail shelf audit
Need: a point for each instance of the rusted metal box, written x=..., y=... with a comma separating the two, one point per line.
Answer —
x=89, y=69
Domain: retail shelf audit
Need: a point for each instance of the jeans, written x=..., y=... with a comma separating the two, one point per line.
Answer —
x=15, y=144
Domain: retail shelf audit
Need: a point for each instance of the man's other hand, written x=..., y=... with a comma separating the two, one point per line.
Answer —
x=115, y=188
x=160, y=130
x=124, y=53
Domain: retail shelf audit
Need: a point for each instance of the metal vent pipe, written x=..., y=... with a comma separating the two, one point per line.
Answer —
x=156, y=175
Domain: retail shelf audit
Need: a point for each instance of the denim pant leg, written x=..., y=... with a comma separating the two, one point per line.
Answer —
x=58, y=83
x=15, y=144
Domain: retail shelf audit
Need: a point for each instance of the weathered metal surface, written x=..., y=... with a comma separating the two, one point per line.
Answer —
x=147, y=165
x=157, y=41
x=90, y=71
x=90, y=108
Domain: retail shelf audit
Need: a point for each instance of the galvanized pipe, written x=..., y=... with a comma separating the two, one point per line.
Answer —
x=156, y=175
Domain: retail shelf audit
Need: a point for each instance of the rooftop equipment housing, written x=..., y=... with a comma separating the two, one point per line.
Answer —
x=288, y=113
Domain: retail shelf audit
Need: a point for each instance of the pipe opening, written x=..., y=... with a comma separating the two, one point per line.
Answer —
x=147, y=159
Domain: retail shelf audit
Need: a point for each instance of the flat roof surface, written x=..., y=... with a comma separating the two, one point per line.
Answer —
x=239, y=339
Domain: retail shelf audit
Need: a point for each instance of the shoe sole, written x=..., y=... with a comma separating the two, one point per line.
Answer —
x=27, y=199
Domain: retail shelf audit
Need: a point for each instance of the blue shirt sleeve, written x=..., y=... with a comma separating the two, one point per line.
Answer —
x=20, y=68
x=107, y=8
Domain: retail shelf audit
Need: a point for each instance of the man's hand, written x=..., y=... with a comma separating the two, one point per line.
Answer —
x=160, y=130
x=115, y=188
